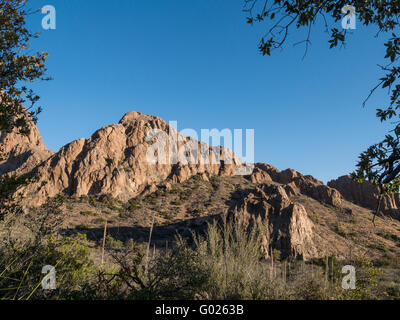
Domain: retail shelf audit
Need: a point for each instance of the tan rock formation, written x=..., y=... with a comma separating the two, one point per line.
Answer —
x=366, y=195
x=297, y=183
x=115, y=161
x=285, y=225
x=19, y=154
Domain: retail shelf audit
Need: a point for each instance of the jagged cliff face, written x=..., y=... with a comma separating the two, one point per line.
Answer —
x=366, y=195
x=19, y=154
x=114, y=161
x=296, y=183
x=286, y=223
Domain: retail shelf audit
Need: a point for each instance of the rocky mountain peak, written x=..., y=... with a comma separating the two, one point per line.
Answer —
x=114, y=161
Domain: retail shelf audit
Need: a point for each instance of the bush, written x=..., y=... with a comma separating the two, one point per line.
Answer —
x=112, y=243
x=133, y=205
x=232, y=257
x=28, y=243
x=21, y=268
x=88, y=213
x=215, y=181
x=177, y=274
x=366, y=281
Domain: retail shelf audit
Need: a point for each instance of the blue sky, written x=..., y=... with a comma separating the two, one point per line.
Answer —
x=197, y=62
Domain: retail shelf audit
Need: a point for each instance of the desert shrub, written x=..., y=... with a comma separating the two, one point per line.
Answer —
x=29, y=244
x=83, y=226
x=151, y=199
x=196, y=178
x=21, y=268
x=367, y=277
x=112, y=243
x=185, y=194
x=215, y=181
x=100, y=220
x=233, y=258
x=196, y=212
x=92, y=200
x=103, y=284
x=109, y=202
x=382, y=247
x=176, y=274
x=236, y=268
x=389, y=236
x=306, y=284
x=133, y=205
x=226, y=261
x=61, y=198
x=126, y=214
x=166, y=215
x=88, y=213
x=276, y=254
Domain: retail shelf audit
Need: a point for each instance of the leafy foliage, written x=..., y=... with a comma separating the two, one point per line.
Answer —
x=30, y=242
x=177, y=274
x=17, y=66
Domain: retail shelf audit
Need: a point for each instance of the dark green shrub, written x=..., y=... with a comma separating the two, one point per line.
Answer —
x=21, y=268
x=176, y=274
x=88, y=213
x=133, y=205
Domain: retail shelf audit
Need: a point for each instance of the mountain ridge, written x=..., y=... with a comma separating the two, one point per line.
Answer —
x=299, y=215
x=114, y=161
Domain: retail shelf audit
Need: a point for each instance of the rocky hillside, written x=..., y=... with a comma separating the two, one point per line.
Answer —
x=108, y=177
x=366, y=195
x=293, y=224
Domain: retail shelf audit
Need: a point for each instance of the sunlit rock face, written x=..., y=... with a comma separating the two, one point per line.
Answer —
x=19, y=153
x=115, y=161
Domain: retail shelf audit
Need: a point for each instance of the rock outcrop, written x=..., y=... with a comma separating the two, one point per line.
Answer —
x=366, y=195
x=296, y=183
x=285, y=225
x=124, y=159
x=19, y=153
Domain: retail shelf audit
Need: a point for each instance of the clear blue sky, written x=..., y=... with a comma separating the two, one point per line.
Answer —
x=197, y=62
